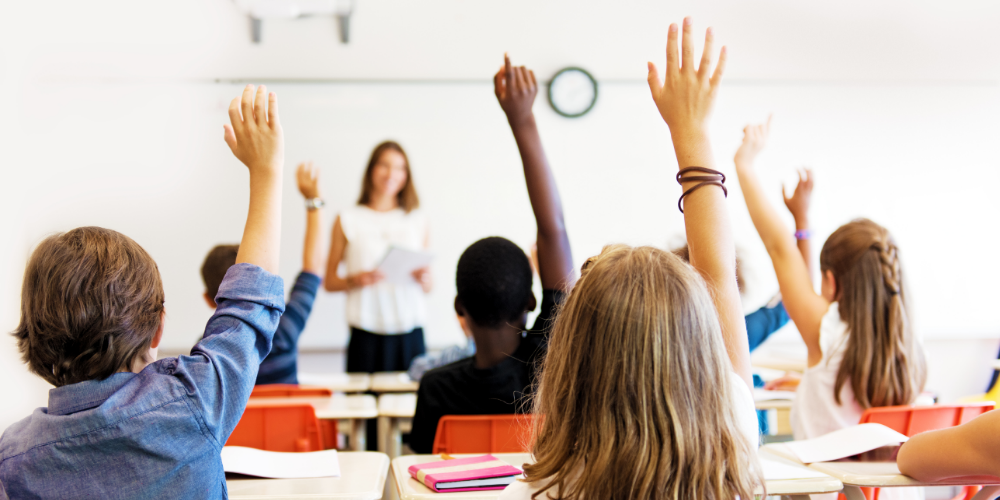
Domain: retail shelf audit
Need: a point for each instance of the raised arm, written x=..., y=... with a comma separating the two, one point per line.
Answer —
x=684, y=99
x=798, y=205
x=255, y=138
x=307, y=176
x=805, y=307
x=966, y=450
x=516, y=88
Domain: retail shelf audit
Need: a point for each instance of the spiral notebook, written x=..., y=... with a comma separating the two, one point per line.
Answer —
x=484, y=472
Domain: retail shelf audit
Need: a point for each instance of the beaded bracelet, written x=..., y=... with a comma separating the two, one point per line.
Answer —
x=803, y=234
x=716, y=179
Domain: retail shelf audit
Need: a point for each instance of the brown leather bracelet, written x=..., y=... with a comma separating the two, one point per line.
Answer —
x=680, y=202
x=681, y=179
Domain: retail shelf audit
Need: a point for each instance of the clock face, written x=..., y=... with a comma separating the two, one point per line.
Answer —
x=572, y=92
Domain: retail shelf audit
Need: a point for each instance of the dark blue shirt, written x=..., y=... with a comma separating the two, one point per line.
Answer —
x=763, y=322
x=157, y=433
x=281, y=367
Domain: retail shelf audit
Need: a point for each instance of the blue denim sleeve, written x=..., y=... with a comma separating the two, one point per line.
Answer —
x=763, y=322
x=219, y=373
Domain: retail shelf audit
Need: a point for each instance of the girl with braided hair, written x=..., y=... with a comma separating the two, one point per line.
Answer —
x=862, y=351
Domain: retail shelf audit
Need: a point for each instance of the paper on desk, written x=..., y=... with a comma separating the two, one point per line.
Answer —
x=280, y=465
x=845, y=443
x=764, y=395
x=398, y=265
x=776, y=471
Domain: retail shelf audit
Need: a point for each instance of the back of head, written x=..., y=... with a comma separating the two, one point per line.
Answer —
x=91, y=304
x=217, y=262
x=883, y=360
x=636, y=390
x=493, y=281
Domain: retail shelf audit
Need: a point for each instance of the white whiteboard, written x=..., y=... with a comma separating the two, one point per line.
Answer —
x=889, y=152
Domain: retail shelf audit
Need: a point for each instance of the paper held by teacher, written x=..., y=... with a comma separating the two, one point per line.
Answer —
x=398, y=265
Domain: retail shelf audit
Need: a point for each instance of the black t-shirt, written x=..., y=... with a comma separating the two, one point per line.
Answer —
x=460, y=388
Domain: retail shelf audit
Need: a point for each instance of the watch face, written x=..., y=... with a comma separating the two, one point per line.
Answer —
x=572, y=92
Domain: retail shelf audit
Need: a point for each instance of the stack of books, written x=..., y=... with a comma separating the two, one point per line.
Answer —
x=484, y=472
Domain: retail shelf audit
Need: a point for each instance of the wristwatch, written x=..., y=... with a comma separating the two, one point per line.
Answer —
x=315, y=203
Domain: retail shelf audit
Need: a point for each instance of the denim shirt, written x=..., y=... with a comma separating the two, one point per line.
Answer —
x=157, y=433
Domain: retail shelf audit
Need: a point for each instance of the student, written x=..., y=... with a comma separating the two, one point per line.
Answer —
x=280, y=366
x=119, y=424
x=862, y=351
x=639, y=397
x=969, y=449
x=494, y=290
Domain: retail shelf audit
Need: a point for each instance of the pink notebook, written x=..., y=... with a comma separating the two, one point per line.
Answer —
x=485, y=472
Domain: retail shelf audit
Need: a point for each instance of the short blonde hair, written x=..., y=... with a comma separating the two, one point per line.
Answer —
x=635, y=389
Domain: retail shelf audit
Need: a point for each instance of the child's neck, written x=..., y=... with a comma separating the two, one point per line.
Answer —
x=493, y=345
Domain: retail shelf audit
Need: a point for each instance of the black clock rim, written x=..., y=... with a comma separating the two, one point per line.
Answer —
x=593, y=81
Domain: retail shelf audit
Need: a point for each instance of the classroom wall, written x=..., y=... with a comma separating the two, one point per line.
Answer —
x=114, y=115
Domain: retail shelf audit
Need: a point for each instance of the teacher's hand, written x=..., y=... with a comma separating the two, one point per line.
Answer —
x=424, y=277
x=362, y=280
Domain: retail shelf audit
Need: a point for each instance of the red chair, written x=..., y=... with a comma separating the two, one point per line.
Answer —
x=289, y=391
x=483, y=434
x=291, y=427
x=912, y=420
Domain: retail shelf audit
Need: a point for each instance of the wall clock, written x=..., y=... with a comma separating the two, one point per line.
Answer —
x=572, y=92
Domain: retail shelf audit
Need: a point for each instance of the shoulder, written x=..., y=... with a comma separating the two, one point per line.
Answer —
x=445, y=375
x=521, y=490
x=746, y=411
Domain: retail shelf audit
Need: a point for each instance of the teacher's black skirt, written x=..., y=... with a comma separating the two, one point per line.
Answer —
x=372, y=352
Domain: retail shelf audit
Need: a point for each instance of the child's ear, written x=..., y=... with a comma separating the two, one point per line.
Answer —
x=532, y=303
x=459, y=308
x=158, y=336
x=209, y=300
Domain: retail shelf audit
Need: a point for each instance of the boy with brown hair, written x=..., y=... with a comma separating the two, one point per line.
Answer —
x=119, y=424
x=281, y=365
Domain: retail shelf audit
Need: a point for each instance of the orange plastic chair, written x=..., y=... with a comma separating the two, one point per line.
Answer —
x=289, y=391
x=912, y=420
x=483, y=433
x=281, y=428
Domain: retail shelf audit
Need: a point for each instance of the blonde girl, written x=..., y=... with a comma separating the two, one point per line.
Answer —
x=645, y=391
x=861, y=348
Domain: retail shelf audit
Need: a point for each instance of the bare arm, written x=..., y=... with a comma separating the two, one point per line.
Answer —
x=516, y=88
x=805, y=307
x=307, y=176
x=798, y=205
x=966, y=450
x=255, y=137
x=685, y=99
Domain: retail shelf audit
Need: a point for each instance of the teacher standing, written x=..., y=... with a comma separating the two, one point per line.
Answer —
x=386, y=319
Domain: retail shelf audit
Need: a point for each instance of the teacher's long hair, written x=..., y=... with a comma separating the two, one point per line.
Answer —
x=407, y=197
x=635, y=396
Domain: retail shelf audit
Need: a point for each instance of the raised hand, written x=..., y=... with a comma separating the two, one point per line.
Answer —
x=754, y=139
x=255, y=136
x=516, y=88
x=362, y=280
x=798, y=203
x=307, y=176
x=686, y=94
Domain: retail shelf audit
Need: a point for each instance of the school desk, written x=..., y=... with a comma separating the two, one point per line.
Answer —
x=856, y=475
x=393, y=382
x=362, y=477
x=338, y=382
x=354, y=408
x=411, y=489
x=394, y=412
x=789, y=364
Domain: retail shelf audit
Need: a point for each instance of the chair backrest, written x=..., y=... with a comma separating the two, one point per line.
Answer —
x=279, y=428
x=483, y=433
x=912, y=420
x=289, y=391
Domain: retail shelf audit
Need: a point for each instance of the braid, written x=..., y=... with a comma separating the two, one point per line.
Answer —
x=888, y=255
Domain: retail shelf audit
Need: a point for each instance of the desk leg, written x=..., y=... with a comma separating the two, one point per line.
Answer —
x=987, y=493
x=358, y=434
x=395, y=438
x=853, y=492
x=383, y=436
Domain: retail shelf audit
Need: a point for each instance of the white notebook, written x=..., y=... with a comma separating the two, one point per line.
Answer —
x=478, y=483
x=280, y=465
x=398, y=265
x=845, y=443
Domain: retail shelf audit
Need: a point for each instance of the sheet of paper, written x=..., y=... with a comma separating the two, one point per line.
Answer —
x=762, y=395
x=845, y=443
x=398, y=265
x=280, y=465
x=775, y=471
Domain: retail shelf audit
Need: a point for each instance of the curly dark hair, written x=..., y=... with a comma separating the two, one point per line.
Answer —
x=493, y=281
x=91, y=304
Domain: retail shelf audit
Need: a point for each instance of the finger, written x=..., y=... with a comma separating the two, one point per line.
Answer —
x=272, y=110
x=655, y=85
x=229, y=136
x=720, y=67
x=532, y=80
x=767, y=125
x=522, y=78
x=498, y=83
x=809, y=177
x=508, y=71
x=687, y=46
x=784, y=195
x=259, y=103
x=234, y=115
x=706, y=56
x=246, y=105
x=672, y=49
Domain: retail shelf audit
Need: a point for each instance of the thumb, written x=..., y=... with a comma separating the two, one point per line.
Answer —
x=230, y=137
x=785, y=196
x=655, y=86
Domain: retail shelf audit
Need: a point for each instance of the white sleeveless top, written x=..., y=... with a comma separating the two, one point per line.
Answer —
x=382, y=308
x=746, y=418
